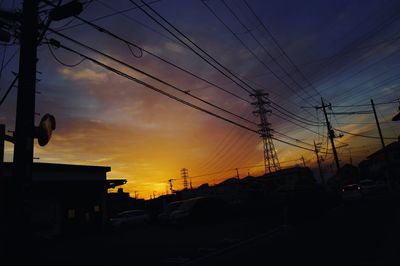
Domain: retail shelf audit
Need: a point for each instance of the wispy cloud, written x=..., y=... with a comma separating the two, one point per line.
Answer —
x=84, y=74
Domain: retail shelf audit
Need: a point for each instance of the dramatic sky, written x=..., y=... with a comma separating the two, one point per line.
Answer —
x=345, y=51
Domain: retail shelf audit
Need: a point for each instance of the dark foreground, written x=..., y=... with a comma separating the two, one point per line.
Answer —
x=358, y=232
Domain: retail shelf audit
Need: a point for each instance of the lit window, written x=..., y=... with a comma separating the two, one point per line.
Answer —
x=71, y=213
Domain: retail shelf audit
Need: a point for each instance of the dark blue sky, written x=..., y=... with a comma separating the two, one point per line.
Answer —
x=347, y=50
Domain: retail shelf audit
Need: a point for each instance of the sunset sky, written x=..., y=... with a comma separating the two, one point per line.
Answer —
x=348, y=50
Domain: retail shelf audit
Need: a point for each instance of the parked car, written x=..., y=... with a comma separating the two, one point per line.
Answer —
x=163, y=217
x=368, y=187
x=200, y=210
x=351, y=192
x=130, y=218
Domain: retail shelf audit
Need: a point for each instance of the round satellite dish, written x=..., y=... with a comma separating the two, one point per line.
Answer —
x=45, y=129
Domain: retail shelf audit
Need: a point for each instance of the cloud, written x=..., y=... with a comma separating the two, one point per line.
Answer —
x=171, y=46
x=84, y=74
x=388, y=90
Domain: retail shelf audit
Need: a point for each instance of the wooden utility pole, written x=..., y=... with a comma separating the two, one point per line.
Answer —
x=331, y=135
x=18, y=190
x=304, y=162
x=319, y=163
x=380, y=131
x=2, y=140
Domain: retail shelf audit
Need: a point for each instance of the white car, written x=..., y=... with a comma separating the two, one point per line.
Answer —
x=163, y=218
x=200, y=210
x=130, y=218
x=368, y=187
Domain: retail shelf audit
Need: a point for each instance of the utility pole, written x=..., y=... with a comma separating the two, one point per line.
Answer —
x=271, y=162
x=19, y=186
x=304, y=162
x=351, y=157
x=170, y=185
x=2, y=140
x=331, y=134
x=380, y=132
x=237, y=173
x=319, y=163
x=397, y=116
x=3, y=188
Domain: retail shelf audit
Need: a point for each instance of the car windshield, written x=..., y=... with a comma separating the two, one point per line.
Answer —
x=188, y=204
x=350, y=188
x=172, y=206
x=367, y=183
x=131, y=213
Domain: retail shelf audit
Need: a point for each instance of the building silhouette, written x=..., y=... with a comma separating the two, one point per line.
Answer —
x=67, y=198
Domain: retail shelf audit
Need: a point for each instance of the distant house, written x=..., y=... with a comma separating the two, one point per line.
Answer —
x=121, y=201
x=291, y=177
x=68, y=198
x=348, y=174
x=378, y=167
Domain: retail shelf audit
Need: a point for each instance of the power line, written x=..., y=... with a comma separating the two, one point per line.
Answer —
x=61, y=62
x=127, y=76
x=233, y=169
x=248, y=48
x=351, y=113
x=119, y=12
x=289, y=137
x=255, y=56
x=4, y=65
x=361, y=135
x=103, y=30
x=360, y=40
x=266, y=50
x=276, y=106
x=202, y=50
x=151, y=76
x=280, y=47
x=129, y=43
x=8, y=90
x=365, y=105
x=313, y=131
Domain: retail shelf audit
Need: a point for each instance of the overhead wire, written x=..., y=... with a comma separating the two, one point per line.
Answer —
x=251, y=51
x=102, y=29
x=188, y=39
x=151, y=87
x=151, y=76
x=285, y=54
x=265, y=50
x=362, y=135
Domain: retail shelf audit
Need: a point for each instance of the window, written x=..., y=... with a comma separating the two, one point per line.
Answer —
x=96, y=208
x=71, y=213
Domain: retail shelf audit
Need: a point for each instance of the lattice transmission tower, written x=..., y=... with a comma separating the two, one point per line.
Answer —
x=185, y=175
x=271, y=161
